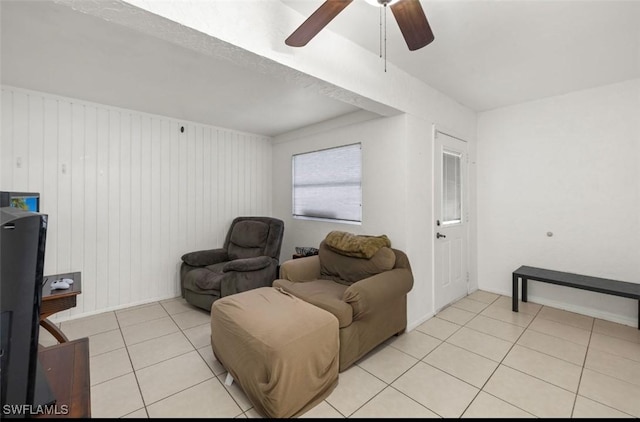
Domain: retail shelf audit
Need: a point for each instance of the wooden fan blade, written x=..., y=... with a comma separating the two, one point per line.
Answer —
x=413, y=23
x=314, y=23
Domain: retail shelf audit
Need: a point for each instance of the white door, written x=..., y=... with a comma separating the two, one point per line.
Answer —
x=451, y=220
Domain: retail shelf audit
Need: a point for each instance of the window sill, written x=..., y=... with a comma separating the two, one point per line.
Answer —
x=328, y=220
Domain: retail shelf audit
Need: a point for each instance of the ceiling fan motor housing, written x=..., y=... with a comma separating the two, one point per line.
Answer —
x=381, y=2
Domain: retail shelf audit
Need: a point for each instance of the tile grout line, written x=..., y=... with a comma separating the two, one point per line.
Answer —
x=205, y=362
x=228, y=390
x=584, y=362
x=441, y=319
x=547, y=354
x=333, y=407
x=465, y=325
x=582, y=367
x=481, y=389
x=214, y=374
x=135, y=375
x=199, y=355
x=445, y=341
x=418, y=360
x=394, y=380
x=134, y=370
x=178, y=392
x=607, y=375
x=525, y=329
x=389, y=385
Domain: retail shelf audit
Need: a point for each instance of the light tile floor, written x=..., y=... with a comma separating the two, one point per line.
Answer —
x=476, y=358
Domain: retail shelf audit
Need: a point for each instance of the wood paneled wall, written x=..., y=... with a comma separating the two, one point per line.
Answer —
x=127, y=193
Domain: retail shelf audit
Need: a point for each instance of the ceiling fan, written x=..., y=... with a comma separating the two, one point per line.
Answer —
x=408, y=14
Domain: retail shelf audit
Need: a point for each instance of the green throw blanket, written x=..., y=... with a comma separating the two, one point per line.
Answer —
x=359, y=246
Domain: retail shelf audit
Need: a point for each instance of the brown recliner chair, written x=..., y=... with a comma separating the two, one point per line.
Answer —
x=248, y=259
x=367, y=296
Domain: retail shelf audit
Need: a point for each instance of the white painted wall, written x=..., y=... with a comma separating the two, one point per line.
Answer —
x=567, y=165
x=339, y=69
x=206, y=28
x=384, y=196
x=383, y=146
x=397, y=155
x=126, y=192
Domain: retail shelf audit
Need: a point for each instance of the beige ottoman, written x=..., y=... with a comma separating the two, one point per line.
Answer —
x=282, y=351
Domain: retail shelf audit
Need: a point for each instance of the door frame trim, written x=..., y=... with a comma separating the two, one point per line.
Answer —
x=436, y=131
x=451, y=134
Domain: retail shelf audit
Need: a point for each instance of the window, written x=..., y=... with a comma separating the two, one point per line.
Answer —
x=451, y=188
x=327, y=184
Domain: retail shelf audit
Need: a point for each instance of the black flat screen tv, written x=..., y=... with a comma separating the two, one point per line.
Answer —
x=22, y=250
x=28, y=201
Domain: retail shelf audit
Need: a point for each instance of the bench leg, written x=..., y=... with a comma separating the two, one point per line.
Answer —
x=524, y=289
x=514, y=293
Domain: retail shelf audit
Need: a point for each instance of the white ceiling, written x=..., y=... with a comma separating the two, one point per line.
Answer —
x=489, y=53
x=52, y=48
x=486, y=54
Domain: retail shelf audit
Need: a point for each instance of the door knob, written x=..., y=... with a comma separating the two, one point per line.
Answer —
x=438, y=235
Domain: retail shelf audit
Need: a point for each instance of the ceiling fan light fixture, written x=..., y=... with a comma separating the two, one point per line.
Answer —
x=381, y=3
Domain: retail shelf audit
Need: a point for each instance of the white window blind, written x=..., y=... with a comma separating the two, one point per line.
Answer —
x=327, y=184
x=451, y=189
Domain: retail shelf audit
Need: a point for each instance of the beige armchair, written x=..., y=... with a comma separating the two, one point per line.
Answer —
x=367, y=296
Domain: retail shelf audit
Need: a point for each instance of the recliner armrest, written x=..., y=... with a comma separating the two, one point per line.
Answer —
x=301, y=269
x=206, y=257
x=247, y=264
x=373, y=292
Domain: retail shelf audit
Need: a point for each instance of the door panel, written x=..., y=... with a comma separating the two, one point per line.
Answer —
x=451, y=225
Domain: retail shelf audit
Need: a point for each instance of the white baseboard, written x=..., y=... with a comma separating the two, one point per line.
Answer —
x=607, y=316
x=56, y=319
x=419, y=321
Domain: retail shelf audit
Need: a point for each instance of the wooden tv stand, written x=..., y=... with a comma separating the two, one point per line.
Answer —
x=66, y=367
x=58, y=300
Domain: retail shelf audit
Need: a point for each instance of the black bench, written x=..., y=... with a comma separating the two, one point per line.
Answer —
x=595, y=284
